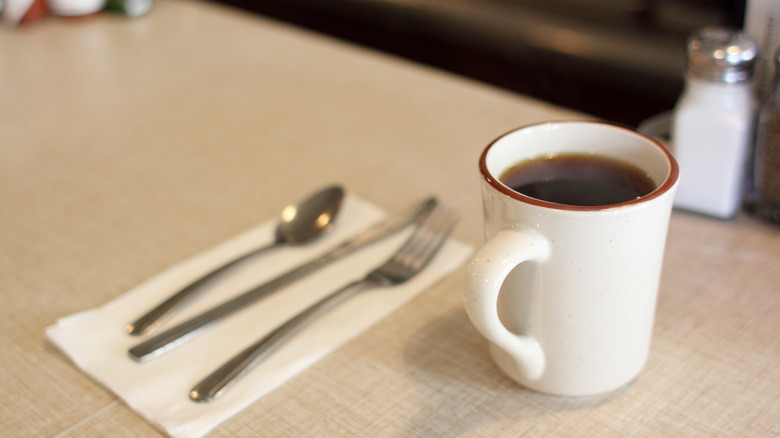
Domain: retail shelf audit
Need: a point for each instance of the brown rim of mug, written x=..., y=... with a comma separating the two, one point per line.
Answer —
x=664, y=187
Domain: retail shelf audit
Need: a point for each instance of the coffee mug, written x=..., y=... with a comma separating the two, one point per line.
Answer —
x=566, y=293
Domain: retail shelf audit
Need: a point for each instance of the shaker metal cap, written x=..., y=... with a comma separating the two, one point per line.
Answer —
x=720, y=54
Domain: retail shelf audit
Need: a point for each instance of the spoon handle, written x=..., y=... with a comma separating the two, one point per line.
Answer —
x=153, y=318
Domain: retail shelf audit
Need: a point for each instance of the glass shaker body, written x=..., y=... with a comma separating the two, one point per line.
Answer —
x=767, y=159
x=713, y=122
x=712, y=134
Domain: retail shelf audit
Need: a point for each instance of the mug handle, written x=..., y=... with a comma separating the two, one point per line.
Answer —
x=484, y=276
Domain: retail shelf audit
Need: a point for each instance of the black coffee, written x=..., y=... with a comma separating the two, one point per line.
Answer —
x=578, y=179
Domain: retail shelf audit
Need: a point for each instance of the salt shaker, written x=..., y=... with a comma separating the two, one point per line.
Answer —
x=766, y=178
x=713, y=121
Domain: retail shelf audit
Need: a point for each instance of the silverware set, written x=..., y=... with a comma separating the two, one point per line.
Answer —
x=432, y=224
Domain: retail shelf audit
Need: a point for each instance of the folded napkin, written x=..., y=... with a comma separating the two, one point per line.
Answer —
x=96, y=342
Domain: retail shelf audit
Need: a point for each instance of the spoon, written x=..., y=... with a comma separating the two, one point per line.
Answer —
x=298, y=225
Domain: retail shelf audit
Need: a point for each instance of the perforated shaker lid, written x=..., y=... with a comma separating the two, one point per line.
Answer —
x=720, y=54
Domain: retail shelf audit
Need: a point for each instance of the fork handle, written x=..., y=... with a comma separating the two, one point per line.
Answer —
x=217, y=382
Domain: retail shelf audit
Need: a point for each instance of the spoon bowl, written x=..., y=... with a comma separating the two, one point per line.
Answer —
x=309, y=219
x=299, y=224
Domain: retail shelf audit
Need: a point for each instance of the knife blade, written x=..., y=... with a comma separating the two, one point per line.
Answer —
x=188, y=330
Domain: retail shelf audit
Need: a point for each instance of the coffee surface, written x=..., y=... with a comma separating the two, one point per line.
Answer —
x=578, y=179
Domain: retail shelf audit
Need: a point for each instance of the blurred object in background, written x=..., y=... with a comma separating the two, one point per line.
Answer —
x=767, y=160
x=762, y=18
x=130, y=8
x=658, y=127
x=712, y=128
x=75, y=8
x=621, y=60
x=16, y=12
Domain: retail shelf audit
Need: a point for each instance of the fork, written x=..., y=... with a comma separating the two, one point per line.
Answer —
x=415, y=254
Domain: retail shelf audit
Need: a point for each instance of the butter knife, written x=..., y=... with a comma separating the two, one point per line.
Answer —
x=178, y=335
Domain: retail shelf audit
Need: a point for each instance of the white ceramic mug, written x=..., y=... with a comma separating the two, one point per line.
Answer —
x=566, y=294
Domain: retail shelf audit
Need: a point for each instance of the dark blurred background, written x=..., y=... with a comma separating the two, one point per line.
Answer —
x=621, y=60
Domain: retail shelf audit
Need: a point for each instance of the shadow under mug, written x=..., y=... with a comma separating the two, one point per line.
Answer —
x=566, y=294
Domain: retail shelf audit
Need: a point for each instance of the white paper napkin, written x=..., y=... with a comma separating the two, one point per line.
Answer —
x=96, y=342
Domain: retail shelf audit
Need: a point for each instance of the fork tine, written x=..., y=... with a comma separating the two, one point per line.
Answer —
x=439, y=236
x=420, y=248
x=411, y=258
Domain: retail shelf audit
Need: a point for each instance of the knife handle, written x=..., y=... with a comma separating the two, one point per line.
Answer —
x=173, y=337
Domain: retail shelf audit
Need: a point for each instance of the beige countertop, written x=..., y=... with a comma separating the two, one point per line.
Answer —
x=129, y=145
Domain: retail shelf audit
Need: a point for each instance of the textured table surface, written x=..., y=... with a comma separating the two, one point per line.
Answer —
x=128, y=145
